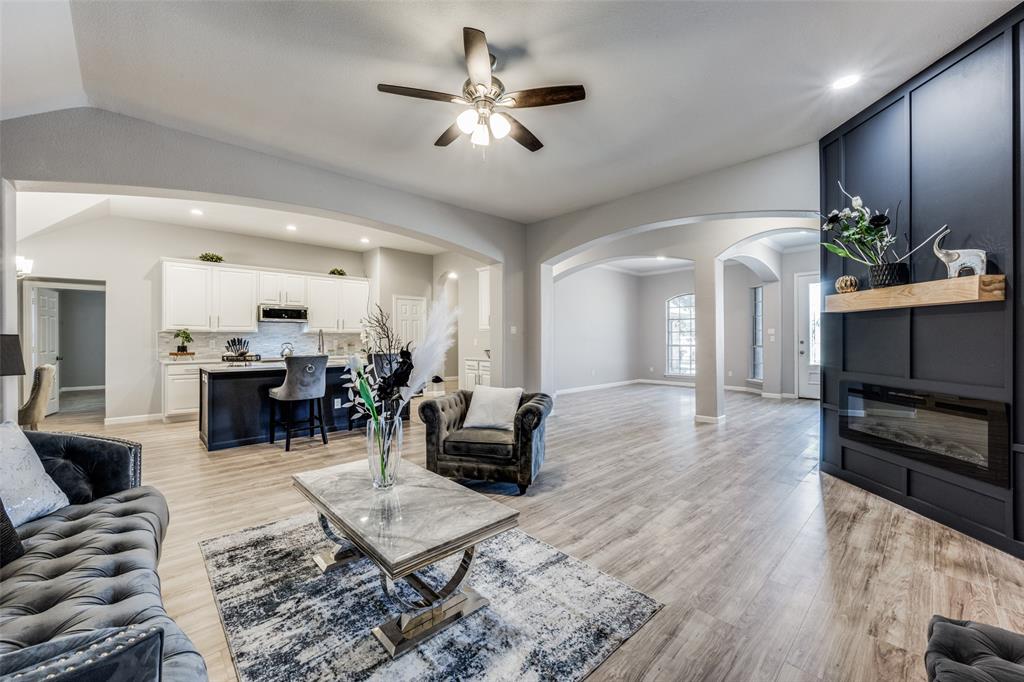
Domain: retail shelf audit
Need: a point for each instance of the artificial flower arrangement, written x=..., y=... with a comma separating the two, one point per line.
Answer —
x=380, y=389
x=861, y=236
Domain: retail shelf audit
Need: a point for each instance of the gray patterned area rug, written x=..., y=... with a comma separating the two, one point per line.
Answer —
x=551, y=617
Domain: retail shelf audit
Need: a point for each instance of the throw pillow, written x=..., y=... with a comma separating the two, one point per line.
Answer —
x=10, y=544
x=493, y=408
x=27, y=490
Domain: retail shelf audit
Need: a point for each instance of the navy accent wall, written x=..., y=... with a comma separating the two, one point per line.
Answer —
x=946, y=146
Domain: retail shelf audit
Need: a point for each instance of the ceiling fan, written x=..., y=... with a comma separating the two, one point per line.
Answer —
x=483, y=93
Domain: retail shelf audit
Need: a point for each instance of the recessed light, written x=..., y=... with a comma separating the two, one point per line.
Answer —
x=365, y=240
x=846, y=81
x=659, y=258
x=453, y=275
x=290, y=228
x=196, y=211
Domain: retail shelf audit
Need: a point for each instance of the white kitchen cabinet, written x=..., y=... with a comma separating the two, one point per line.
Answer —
x=484, y=298
x=476, y=373
x=181, y=388
x=282, y=288
x=234, y=300
x=187, y=296
x=355, y=304
x=324, y=303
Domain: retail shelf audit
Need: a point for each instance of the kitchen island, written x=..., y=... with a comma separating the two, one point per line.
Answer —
x=234, y=406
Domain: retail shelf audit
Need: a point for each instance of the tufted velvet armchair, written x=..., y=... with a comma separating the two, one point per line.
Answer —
x=91, y=567
x=485, y=454
x=964, y=651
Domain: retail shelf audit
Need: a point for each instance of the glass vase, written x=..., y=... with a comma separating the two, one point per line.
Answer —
x=384, y=450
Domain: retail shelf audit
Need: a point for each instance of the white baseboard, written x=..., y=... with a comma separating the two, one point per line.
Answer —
x=775, y=396
x=701, y=419
x=133, y=419
x=455, y=378
x=667, y=382
x=594, y=387
x=745, y=389
x=71, y=389
x=789, y=395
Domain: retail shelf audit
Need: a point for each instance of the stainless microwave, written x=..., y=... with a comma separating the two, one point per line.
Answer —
x=280, y=313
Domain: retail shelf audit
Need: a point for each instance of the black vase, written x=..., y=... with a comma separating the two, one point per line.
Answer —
x=888, y=275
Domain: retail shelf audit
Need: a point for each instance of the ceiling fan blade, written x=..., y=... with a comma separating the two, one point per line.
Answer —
x=478, y=58
x=420, y=94
x=544, y=97
x=448, y=136
x=522, y=135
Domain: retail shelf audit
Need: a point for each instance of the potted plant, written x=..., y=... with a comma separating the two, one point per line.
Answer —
x=337, y=272
x=856, y=234
x=185, y=337
x=209, y=257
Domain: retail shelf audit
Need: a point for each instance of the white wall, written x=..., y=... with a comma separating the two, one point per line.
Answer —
x=124, y=253
x=597, y=317
x=792, y=263
x=739, y=327
x=471, y=341
x=82, y=338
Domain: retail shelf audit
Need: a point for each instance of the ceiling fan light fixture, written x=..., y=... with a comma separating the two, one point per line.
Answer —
x=500, y=127
x=480, y=136
x=468, y=121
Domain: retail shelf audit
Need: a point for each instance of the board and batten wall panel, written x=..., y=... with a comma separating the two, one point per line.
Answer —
x=962, y=159
x=943, y=145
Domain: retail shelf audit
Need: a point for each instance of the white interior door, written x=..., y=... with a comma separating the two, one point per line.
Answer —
x=46, y=339
x=410, y=318
x=808, y=335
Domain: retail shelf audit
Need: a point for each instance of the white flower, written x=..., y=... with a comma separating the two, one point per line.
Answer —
x=834, y=212
x=355, y=364
x=857, y=203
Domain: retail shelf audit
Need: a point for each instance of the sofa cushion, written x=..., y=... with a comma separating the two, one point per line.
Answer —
x=128, y=654
x=10, y=543
x=93, y=566
x=960, y=650
x=27, y=490
x=484, y=443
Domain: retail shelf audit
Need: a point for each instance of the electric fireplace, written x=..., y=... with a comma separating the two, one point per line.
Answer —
x=964, y=435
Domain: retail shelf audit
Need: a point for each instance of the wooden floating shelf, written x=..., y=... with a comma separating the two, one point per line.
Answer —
x=974, y=289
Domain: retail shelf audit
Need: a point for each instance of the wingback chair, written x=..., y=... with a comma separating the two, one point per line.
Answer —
x=33, y=411
x=485, y=454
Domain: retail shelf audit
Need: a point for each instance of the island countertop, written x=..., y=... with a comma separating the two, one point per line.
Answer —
x=262, y=366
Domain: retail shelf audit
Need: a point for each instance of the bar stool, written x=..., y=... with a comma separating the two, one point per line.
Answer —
x=305, y=379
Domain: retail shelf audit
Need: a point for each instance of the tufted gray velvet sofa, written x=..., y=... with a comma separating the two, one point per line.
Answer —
x=485, y=454
x=92, y=565
x=964, y=651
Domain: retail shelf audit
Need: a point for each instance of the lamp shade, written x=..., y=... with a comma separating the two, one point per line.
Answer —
x=11, y=363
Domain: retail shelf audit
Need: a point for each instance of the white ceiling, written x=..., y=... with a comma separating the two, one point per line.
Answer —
x=788, y=241
x=674, y=89
x=38, y=211
x=641, y=267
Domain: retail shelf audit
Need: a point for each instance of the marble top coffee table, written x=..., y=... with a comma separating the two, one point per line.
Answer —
x=423, y=519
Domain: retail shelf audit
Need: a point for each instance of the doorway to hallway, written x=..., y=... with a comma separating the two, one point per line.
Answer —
x=808, y=335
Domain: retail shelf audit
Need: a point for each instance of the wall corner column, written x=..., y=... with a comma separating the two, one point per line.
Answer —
x=709, y=300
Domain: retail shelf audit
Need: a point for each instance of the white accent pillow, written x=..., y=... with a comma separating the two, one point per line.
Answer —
x=493, y=408
x=27, y=490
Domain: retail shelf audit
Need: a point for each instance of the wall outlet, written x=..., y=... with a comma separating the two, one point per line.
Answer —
x=337, y=403
x=651, y=370
x=593, y=372
x=513, y=330
x=729, y=373
x=211, y=343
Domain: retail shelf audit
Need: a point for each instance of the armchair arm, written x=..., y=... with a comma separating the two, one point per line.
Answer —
x=441, y=416
x=87, y=467
x=529, y=434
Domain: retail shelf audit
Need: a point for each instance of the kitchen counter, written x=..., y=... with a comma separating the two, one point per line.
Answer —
x=261, y=366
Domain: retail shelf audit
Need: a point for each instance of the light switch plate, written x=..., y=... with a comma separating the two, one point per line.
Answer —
x=337, y=403
x=513, y=330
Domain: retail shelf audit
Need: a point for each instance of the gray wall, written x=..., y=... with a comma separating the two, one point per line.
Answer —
x=739, y=327
x=654, y=291
x=82, y=338
x=596, y=318
x=792, y=263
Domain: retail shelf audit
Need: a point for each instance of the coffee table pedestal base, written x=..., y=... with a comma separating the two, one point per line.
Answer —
x=406, y=631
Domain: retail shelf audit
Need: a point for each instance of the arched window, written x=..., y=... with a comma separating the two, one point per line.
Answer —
x=680, y=359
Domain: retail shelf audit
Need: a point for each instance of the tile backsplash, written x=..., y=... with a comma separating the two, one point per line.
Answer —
x=266, y=341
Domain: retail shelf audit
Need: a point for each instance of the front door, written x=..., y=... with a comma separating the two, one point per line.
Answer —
x=410, y=318
x=808, y=335
x=46, y=340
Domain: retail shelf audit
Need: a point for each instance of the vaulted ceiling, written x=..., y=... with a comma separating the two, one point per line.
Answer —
x=674, y=89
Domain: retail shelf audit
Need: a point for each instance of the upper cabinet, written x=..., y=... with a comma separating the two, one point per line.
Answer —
x=484, y=298
x=355, y=304
x=282, y=288
x=234, y=300
x=187, y=292
x=324, y=303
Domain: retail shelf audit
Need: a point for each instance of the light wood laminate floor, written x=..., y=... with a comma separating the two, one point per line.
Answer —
x=768, y=569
